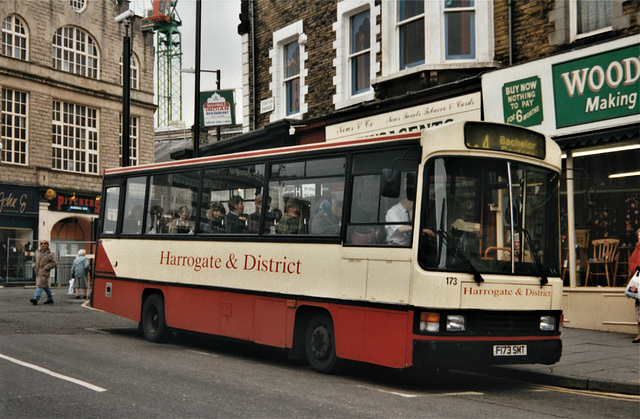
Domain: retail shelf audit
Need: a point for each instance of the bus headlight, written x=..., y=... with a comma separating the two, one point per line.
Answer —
x=456, y=323
x=547, y=323
x=430, y=322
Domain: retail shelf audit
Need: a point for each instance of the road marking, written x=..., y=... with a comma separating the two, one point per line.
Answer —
x=462, y=393
x=203, y=353
x=590, y=393
x=54, y=374
x=394, y=393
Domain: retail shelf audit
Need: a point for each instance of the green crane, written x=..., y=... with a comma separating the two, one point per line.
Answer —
x=165, y=21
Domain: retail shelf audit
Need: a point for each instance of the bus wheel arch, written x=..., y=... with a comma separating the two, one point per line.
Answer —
x=320, y=342
x=152, y=319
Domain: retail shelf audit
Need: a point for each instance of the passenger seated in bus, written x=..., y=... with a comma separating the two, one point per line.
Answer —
x=253, y=220
x=236, y=221
x=399, y=234
x=291, y=222
x=182, y=224
x=326, y=220
x=506, y=255
x=214, y=218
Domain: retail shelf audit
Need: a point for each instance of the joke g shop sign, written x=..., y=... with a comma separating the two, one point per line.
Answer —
x=598, y=87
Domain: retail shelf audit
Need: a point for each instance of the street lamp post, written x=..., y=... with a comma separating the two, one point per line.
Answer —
x=126, y=86
x=196, y=117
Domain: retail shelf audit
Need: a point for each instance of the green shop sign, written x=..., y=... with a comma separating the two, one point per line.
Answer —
x=596, y=88
x=217, y=108
x=522, y=102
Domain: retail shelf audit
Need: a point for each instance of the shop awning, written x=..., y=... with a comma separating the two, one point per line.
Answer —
x=609, y=135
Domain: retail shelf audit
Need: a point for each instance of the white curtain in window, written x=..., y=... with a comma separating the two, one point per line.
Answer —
x=593, y=15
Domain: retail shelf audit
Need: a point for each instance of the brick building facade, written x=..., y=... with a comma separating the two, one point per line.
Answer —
x=60, y=75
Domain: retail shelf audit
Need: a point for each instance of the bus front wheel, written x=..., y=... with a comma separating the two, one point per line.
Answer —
x=153, y=323
x=320, y=344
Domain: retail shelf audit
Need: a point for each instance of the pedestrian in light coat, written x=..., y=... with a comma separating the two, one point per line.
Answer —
x=80, y=270
x=43, y=264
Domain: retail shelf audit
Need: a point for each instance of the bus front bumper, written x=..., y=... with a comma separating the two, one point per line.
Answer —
x=453, y=353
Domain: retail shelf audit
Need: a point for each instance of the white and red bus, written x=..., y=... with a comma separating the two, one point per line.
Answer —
x=433, y=248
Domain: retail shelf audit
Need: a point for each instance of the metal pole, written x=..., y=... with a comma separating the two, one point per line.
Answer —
x=218, y=87
x=196, y=116
x=126, y=95
x=571, y=221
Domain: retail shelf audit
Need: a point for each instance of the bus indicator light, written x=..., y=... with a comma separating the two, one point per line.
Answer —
x=430, y=322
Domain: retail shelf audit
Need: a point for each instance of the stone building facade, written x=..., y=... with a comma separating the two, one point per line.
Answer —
x=60, y=75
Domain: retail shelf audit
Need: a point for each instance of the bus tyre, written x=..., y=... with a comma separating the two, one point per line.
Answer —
x=153, y=324
x=320, y=344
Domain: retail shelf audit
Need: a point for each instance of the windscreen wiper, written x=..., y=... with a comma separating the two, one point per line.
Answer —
x=456, y=250
x=543, y=275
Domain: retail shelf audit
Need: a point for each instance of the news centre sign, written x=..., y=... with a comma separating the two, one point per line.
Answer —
x=591, y=88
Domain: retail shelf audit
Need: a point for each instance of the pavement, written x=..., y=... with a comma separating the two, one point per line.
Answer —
x=591, y=360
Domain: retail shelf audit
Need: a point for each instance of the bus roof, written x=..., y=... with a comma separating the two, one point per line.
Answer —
x=265, y=152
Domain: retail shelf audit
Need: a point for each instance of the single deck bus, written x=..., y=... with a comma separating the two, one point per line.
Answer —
x=438, y=248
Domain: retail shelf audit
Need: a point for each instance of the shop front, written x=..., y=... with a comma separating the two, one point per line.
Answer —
x=587, y=101
x=18, y=224
x=68, y=220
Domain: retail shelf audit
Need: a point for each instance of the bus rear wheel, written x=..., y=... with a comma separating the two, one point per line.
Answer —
x=320, y=344
x=153, y=323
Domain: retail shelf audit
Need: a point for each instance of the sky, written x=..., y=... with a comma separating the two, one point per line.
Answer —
x=221, y=48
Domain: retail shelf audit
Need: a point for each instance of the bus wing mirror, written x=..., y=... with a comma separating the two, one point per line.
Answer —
x=390, y=183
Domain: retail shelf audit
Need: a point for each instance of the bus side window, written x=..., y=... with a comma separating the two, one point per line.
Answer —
x=111, y=202
x=309, y=195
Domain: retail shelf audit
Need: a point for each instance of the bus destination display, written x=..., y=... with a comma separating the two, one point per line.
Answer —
x=504, y=138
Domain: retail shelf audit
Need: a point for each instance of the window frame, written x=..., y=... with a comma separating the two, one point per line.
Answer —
x=435, y=37
x=134, y=129
x=64, y=146
x=573, y=21
x=21, y=33
x=78, y=58
x=281, y=38
x=23, y=127
x=343, y=82
x=134, y=73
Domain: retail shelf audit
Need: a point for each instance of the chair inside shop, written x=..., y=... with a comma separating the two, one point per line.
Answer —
x=603, y=261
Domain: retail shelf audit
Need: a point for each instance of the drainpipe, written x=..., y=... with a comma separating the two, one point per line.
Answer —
x=253, y=67
x=510, y=34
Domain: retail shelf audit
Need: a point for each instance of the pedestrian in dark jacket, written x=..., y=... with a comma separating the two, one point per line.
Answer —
x=43, y=264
